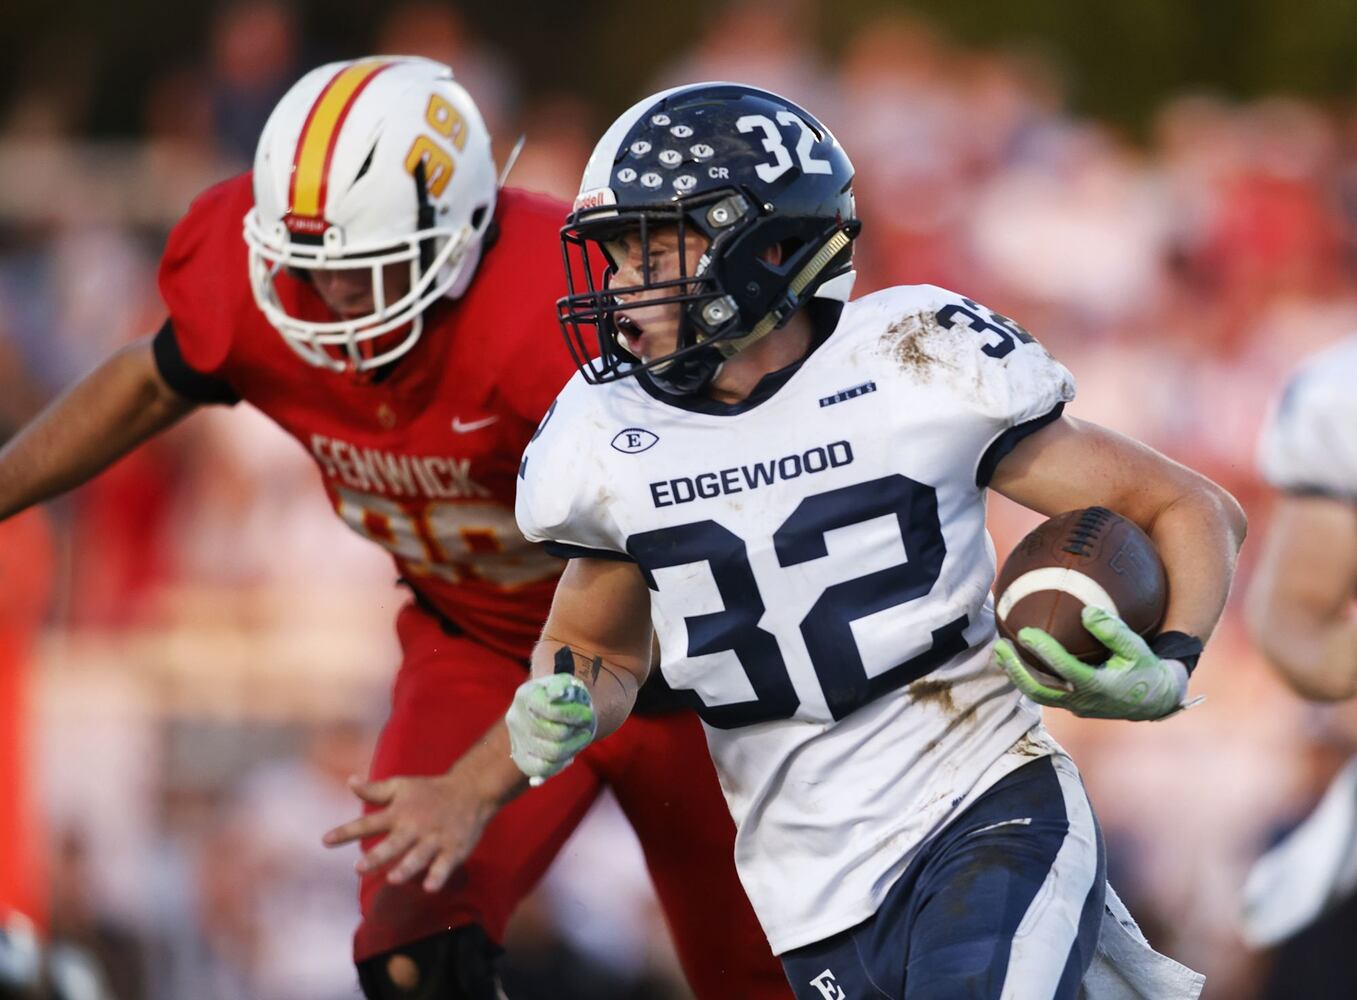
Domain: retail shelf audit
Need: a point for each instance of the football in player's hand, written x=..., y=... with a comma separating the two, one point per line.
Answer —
x=1089, y=556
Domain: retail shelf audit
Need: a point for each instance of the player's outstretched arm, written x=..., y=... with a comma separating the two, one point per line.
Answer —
x=1300, y=601
x=94, y=423
x=594, y=654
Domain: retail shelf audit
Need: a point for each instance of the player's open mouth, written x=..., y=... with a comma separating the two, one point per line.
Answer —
x=632, y=331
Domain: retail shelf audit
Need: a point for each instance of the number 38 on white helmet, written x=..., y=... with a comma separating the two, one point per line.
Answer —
x=364, y=165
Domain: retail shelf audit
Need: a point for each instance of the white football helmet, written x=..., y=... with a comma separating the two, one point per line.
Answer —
x=364, y=164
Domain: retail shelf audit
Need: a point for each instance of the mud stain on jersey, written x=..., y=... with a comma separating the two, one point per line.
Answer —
x=913, y=342
x=959, y=718
x=937, y=692
x=1028, y=747
x=929, y=692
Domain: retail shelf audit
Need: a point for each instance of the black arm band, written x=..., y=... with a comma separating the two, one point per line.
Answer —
x=1180, y=646
x=564, y=550
x=193, y=385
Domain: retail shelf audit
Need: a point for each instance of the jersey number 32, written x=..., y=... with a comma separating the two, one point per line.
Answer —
x=827, y=627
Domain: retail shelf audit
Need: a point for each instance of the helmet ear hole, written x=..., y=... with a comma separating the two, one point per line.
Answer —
x=774, y=254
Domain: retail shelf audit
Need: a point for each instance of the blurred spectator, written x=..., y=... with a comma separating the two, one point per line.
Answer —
x=560, y=136
x=1075, y=226
x=438, y=31
x=34, y=969
x=54, y=92
x=254, y=59
x=285, y=905
x=766, y=43
x=110, y=950
x=905, y=128
x=581, y=937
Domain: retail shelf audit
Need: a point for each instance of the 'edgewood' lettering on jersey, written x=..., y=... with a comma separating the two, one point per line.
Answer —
x=705, y=485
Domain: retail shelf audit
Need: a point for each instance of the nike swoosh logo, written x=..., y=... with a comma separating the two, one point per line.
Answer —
x=474, y=425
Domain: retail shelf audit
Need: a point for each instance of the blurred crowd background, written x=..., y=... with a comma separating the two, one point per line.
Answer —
x=194, y=653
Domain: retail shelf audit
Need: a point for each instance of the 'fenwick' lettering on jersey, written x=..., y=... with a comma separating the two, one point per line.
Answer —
x=706, y=485
x=433, y=477
x=819, y=579
x=422, y=462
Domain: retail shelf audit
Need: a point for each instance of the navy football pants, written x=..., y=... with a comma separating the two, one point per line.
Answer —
x=1005, y=902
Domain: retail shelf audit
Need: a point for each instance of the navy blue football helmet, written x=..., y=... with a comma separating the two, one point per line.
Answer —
x=749, y=171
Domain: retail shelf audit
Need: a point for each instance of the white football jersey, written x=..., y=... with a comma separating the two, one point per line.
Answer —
x=1309, y=444
x=820, y=576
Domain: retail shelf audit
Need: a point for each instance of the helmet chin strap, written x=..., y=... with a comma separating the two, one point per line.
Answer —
x=836, y=243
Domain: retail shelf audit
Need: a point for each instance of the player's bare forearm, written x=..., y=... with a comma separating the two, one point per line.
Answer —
x=98, y=420
x=1199, y=540
x=1300, y=601
x=1317, y=658
x=1196, y=525
x=488, y=769
x=612, y=686
x=601, y=613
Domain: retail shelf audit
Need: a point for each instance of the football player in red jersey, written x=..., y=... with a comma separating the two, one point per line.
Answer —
x=418, y=354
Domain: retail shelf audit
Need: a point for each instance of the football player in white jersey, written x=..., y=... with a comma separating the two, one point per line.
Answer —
x=1300, y=602
x=1300, y=611
x=789, y=489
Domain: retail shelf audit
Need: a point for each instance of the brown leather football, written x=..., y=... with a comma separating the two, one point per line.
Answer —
x=1089, y=556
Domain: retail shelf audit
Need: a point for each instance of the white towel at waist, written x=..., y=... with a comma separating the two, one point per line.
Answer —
x=1125, y=967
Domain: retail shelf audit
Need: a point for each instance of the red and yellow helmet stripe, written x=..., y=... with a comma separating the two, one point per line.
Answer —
x=315, y=148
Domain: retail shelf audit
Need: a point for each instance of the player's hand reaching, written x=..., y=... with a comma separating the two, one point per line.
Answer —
x=428, y=823
x=551, y=720
x=1133, y=683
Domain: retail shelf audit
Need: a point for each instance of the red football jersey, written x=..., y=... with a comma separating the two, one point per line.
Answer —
x=424, y=461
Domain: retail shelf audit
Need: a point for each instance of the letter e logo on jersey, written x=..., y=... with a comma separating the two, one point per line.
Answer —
x=634, y=440
x=828, y=988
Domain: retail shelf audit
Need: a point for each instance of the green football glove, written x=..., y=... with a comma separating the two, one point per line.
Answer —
x=550, y=721
x=1133, y=684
